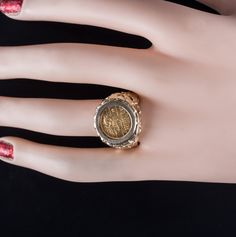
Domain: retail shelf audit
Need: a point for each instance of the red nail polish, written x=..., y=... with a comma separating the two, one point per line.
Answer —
x=10, y=6
x=6, y=150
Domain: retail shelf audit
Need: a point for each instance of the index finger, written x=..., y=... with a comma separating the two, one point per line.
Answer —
x=153, y=19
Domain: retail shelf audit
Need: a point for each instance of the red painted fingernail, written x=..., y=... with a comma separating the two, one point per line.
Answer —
x=6, y=150
x=10, y=6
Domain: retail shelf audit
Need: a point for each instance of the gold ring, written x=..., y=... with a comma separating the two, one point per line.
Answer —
x=117, y=120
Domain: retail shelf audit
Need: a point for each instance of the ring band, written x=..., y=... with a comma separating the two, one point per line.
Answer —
x=118, y=120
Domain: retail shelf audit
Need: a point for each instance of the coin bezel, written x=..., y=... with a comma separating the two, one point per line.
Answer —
x=122, y=141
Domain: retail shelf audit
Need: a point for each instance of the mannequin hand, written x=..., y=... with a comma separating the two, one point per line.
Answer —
x=186, y=83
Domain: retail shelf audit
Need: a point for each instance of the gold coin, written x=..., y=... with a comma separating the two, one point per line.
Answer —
x=115, y=122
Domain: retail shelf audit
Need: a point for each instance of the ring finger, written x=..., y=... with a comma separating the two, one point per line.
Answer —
x=51, y=116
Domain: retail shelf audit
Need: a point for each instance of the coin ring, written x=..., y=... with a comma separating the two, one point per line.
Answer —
x=129, y=103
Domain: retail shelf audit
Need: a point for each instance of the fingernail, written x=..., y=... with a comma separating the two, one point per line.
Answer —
x=10, y=6
x=6, y=150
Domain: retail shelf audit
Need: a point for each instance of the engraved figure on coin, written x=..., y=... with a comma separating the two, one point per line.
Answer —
x=115, y=122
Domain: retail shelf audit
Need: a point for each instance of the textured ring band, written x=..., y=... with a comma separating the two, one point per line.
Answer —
x=118, y=120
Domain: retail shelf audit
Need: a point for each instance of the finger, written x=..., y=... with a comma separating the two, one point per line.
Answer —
x=79, y=63
x=225, y=7
x=74, y=164
x=51, y=116
x=150, y=19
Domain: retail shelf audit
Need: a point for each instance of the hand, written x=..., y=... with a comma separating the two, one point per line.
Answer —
x=186, y=82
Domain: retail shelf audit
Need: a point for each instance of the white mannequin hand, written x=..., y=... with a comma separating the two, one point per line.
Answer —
x=186, y=82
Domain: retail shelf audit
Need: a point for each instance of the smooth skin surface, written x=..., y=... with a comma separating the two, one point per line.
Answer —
x=186, y=82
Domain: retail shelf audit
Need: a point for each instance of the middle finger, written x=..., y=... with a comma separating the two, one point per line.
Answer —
x=79, y=63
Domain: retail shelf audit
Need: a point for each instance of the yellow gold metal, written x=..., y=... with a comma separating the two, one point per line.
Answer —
x=115, y=122
x=118, y=120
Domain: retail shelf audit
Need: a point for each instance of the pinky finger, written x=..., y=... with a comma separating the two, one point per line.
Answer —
x=72, y=164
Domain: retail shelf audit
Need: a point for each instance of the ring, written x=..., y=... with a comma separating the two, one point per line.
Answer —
x=117, y=120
